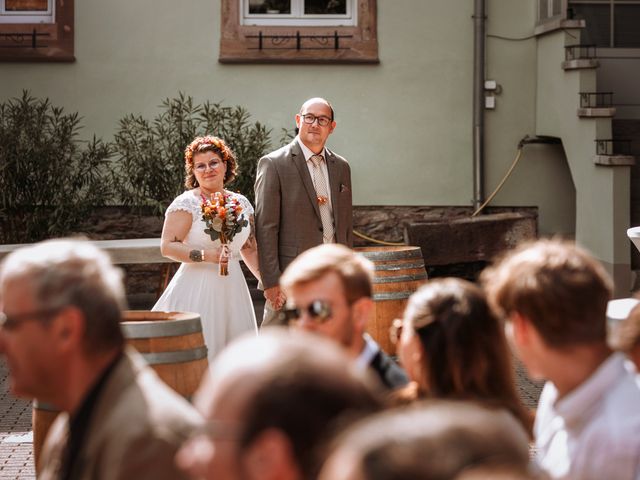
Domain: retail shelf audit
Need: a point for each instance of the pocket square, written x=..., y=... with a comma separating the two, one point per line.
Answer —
x=343, y=188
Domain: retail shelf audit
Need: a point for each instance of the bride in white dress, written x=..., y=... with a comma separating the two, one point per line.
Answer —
x=223, y=302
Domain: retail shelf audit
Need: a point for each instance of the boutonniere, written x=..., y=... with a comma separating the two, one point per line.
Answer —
x=322, y=200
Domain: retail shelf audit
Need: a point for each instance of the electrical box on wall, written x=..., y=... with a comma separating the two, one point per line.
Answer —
x=490, y=85
x=490, y=102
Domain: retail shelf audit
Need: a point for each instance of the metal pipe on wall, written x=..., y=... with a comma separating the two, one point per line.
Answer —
x=479, y=22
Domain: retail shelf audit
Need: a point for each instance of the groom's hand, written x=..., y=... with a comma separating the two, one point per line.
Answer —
x=275, y=296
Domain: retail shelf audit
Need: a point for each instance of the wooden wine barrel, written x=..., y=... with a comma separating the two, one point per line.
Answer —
x=170, y=342
x=399, y=271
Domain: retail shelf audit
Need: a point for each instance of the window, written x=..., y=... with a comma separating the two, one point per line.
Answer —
x=299, y=12
x=26, y=11
x=289, y=31
x=549, y=9
x=609, y=23
x=37, y=30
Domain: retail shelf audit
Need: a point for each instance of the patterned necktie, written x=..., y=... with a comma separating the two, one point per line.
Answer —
x=322, y=192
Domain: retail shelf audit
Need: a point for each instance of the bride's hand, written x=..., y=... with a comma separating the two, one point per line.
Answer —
x=219, y=254
x=225, y=253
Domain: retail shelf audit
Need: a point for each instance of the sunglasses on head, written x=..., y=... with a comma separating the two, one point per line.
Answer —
x=319, y=311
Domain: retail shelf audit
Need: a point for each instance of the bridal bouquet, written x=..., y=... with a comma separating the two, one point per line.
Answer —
x=222, y=216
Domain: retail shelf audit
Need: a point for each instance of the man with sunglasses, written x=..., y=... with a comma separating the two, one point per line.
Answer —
x=61, y=305
x=303, y=199
x=329, y=292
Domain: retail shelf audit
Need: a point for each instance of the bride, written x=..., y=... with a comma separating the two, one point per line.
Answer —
x=223, y=302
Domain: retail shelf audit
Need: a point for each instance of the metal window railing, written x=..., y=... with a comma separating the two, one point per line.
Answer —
x=298, y=41
x=22, y=39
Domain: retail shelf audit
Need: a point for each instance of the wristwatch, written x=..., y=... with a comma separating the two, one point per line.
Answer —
x=196, y=255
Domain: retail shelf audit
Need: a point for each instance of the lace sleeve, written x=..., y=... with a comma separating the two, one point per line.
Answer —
x=246, y=205
x=185, y=202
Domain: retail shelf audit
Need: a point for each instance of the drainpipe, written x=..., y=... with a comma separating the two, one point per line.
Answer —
x=478, y=101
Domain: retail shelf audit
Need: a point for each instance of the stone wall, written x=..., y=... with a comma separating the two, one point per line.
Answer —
x=385, y=223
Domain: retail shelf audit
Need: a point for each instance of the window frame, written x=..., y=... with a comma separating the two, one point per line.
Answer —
x=241, y=43
x=299, y=19
x=612, y=4
x=561, y=15
x=54, y=40
x=23, y=16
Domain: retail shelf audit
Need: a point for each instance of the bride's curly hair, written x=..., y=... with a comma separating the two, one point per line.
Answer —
x=208, y=143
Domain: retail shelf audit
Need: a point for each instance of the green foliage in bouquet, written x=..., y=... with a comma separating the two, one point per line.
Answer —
x=49, y=179
x=151, y=152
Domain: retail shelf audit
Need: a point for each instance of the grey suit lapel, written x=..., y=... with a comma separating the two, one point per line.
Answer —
x=301, y=164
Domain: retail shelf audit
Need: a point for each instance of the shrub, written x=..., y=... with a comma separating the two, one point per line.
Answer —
x=151, y=153
x=49, y=180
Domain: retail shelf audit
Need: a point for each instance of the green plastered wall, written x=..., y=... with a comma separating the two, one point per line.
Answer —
x=602, y=193
x=405, y=124
x=542, y=176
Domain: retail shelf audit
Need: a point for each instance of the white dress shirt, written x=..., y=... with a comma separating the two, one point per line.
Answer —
x=592, y=432
x=368, y=353
x=323, y=166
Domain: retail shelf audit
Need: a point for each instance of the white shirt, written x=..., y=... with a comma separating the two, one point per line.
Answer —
x=323, y=166
x=368, y=353
x=592, y=432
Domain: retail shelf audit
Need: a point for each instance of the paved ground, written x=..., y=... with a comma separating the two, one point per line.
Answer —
x=16, y=452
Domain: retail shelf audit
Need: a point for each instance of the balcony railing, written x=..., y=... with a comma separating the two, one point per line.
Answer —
x=611, y=146
x=579, y=52
x=596, y=99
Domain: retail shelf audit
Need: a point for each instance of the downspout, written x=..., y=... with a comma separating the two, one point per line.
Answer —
x=478, y=101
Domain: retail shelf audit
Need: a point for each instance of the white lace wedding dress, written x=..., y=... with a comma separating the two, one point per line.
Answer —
x=223, y=303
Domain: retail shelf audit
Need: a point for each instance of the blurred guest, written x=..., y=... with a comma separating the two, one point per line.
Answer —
x=553, y=296
x=329, y=292
x=499, y=472
x=434, y=440
x=453, y=346
x=272, y=404
x=625, y=336
x=60, y=333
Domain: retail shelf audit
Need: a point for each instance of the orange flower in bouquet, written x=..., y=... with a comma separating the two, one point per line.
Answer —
x=222, y=214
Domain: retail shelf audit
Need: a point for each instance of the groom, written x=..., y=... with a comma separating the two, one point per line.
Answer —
x=303, y=199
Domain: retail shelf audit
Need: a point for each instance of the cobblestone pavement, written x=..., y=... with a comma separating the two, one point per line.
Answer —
x=16, y=452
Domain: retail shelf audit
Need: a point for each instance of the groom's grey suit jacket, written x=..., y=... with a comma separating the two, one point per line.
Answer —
x=287, y=214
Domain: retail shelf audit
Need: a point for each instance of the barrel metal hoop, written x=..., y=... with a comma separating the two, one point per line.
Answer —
x=395, y=255
x=179, y=356
x=400, y=278
x=391, y=296
x=44, y=406
x=166, y=328
x=398, y=266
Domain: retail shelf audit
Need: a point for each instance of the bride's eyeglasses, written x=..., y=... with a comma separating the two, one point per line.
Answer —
x=319, y=311
x=202, y=167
